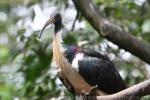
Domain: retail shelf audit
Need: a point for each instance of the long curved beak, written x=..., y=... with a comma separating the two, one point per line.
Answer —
x=50, y=21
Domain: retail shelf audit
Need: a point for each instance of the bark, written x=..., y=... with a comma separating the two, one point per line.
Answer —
x=133, y=93
x=113, y=32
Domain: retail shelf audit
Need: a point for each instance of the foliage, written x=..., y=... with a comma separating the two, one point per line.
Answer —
x=26, y=68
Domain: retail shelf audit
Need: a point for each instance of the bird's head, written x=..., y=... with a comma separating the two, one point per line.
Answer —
x=56, y=20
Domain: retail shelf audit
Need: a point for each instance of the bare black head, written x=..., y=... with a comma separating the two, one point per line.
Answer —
x=56, y=20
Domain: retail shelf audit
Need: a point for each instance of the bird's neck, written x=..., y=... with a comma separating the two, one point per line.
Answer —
x=58, y=41
x=58, y=28
x=58, y=36
x=58, y=47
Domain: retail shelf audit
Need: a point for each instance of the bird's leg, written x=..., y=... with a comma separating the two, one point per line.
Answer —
x=91, y=92
x=91, y=95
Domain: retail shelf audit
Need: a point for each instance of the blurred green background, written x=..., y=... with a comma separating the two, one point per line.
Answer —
x=26, y=68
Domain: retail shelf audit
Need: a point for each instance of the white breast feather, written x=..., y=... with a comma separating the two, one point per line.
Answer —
x=78, y=57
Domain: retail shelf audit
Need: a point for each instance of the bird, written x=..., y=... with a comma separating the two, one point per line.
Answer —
x=95, y=68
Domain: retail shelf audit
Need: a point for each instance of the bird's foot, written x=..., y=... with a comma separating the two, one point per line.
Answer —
x=91, y=92
x=91, y=95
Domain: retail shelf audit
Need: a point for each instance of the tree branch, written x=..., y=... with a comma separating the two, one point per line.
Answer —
x=133, y=93
x=113, y=32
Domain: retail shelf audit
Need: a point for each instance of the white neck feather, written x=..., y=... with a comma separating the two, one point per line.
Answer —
x=58, y=37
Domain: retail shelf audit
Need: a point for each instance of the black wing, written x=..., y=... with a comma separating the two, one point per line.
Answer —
x=97, y=69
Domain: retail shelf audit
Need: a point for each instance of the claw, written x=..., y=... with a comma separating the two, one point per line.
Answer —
x=84, y=93
x=91, y=92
